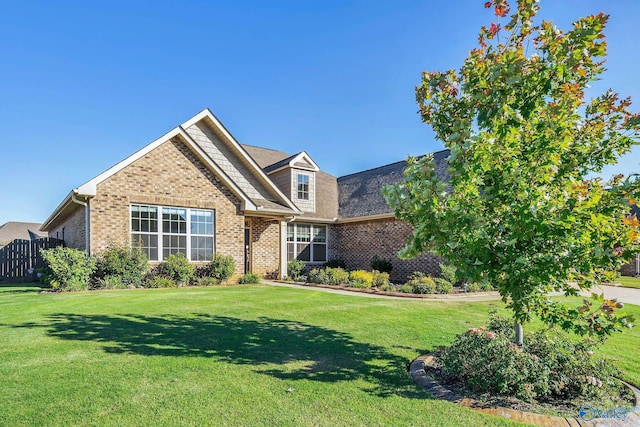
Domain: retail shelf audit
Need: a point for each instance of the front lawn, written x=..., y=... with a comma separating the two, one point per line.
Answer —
x=243, y=355
x=629, y=282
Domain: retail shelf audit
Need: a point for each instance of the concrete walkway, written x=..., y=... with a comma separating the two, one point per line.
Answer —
x=626, y=295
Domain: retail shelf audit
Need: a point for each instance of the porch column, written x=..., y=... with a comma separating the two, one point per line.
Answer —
x=283, y=249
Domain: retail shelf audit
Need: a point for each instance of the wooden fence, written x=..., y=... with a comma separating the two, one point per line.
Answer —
x=19, y=256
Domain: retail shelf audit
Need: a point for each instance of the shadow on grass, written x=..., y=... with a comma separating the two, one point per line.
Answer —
x=20, y=288
x=280, y=348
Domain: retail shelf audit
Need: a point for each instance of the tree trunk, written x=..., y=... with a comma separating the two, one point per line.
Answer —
x=519, y=333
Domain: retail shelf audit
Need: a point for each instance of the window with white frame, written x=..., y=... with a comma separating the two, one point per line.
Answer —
x=303, y=186
x=161, y=231
x=307, y=242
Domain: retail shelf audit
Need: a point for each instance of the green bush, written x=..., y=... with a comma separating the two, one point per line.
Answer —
x=406, y=289
x=422, y=285
x=159, y=282
x=487, y=287
x=381, y=265
x=416, y=275
x=120, y=266
x=249, y=279
x=380, y=280
x=472, y=287
x=329, y=276
x=295, y=267
x=361, y=279
x=550, y=367
x=448, y=273
x=178, y=268
x=443, y=286
x=67, y=269
x=336, y=263
x=222, y=267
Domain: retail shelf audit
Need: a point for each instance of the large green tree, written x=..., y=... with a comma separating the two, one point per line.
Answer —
x=522, y=208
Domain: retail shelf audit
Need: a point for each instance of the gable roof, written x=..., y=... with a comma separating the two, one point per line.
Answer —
x=266, y=199
x=301, y=161
x=360, y=194
x=13, y=230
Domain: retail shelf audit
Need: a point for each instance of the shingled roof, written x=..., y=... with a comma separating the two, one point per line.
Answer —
x=19, y=230
x=265, y=156
x=360, y=194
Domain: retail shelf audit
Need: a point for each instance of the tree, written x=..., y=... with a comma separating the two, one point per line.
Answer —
x=522, y=208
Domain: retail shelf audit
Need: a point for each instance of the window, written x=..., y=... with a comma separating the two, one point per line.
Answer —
x=303, y=187
x=307, y=242
x=179, y=230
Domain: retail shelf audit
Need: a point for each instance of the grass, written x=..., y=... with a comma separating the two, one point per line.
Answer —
x=244, y=355
x=628, y=282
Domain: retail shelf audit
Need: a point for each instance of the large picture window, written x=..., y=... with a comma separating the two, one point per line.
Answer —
x=307, y=242
x=162, y=231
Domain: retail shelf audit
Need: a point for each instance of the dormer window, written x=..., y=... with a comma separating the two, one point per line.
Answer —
x=303, y=186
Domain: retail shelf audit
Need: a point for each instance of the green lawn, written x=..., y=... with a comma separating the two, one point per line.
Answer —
x=628, y=282
x=244, y=355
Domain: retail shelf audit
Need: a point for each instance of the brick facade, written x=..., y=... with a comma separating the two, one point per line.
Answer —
x=360, y=241
x=630, y=269
x=265, y=247
x=72, y=229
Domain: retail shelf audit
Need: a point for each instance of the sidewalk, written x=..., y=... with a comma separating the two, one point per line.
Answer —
x=626, y=295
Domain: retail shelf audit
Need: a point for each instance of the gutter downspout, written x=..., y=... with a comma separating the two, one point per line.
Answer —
x=86, y=219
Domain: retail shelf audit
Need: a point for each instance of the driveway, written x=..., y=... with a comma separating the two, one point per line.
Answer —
x=628, y=295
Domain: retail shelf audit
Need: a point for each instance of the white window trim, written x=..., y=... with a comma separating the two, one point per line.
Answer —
x=298, y=175
x=311, y=243
x=160, y=233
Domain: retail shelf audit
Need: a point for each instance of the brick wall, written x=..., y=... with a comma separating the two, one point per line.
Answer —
x=72, y=229
x=170, y=175
x=359, y=242
x=265, y=247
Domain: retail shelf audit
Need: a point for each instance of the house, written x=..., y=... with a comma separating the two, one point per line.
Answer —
x=13, y=230
x=633, y=267
x=196, y=190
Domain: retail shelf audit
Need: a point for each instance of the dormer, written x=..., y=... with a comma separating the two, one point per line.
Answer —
x=296, y=177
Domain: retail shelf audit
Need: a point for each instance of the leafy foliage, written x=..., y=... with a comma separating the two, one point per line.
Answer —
x=421, y=284
x=380, y=280
x=329, y=276
x=222, y=267
x=551, y=366
x=249, y=279
x=159, y=282
x=67, y=269
x=336, y=263
x=361, y=279
x=120, y=266
x=520, y=209
x=177, y=268
x=295, y=267
x=382, y=265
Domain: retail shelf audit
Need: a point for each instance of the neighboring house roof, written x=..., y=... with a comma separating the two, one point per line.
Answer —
x=13, y=230
x=360, y=194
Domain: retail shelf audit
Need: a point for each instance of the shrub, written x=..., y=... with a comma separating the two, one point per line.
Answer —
x=361, y=279
x=249, y=279
x=487, y=287
x=329, y=276
x=550, y=367
x=443, y=286
x=382, y=265
x=318, y=275
x=336, y=263
x=380, y=279
x=448, y=273
x=337, y=276
x=416, y=275
x=406, y=289
x=422, y=285
x=159, y=282
x=222, y=267
x=123, y=264
x=178, y=268
x=295, y=267
x=472, y=287
x=67, y=269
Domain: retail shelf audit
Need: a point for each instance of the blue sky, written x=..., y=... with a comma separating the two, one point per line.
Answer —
x=85, y=84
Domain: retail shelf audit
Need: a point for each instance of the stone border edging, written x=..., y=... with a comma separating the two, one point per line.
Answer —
x=460, y=295
x=422, y=379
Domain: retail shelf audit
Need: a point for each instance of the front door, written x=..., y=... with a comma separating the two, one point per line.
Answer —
x=247, y=248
